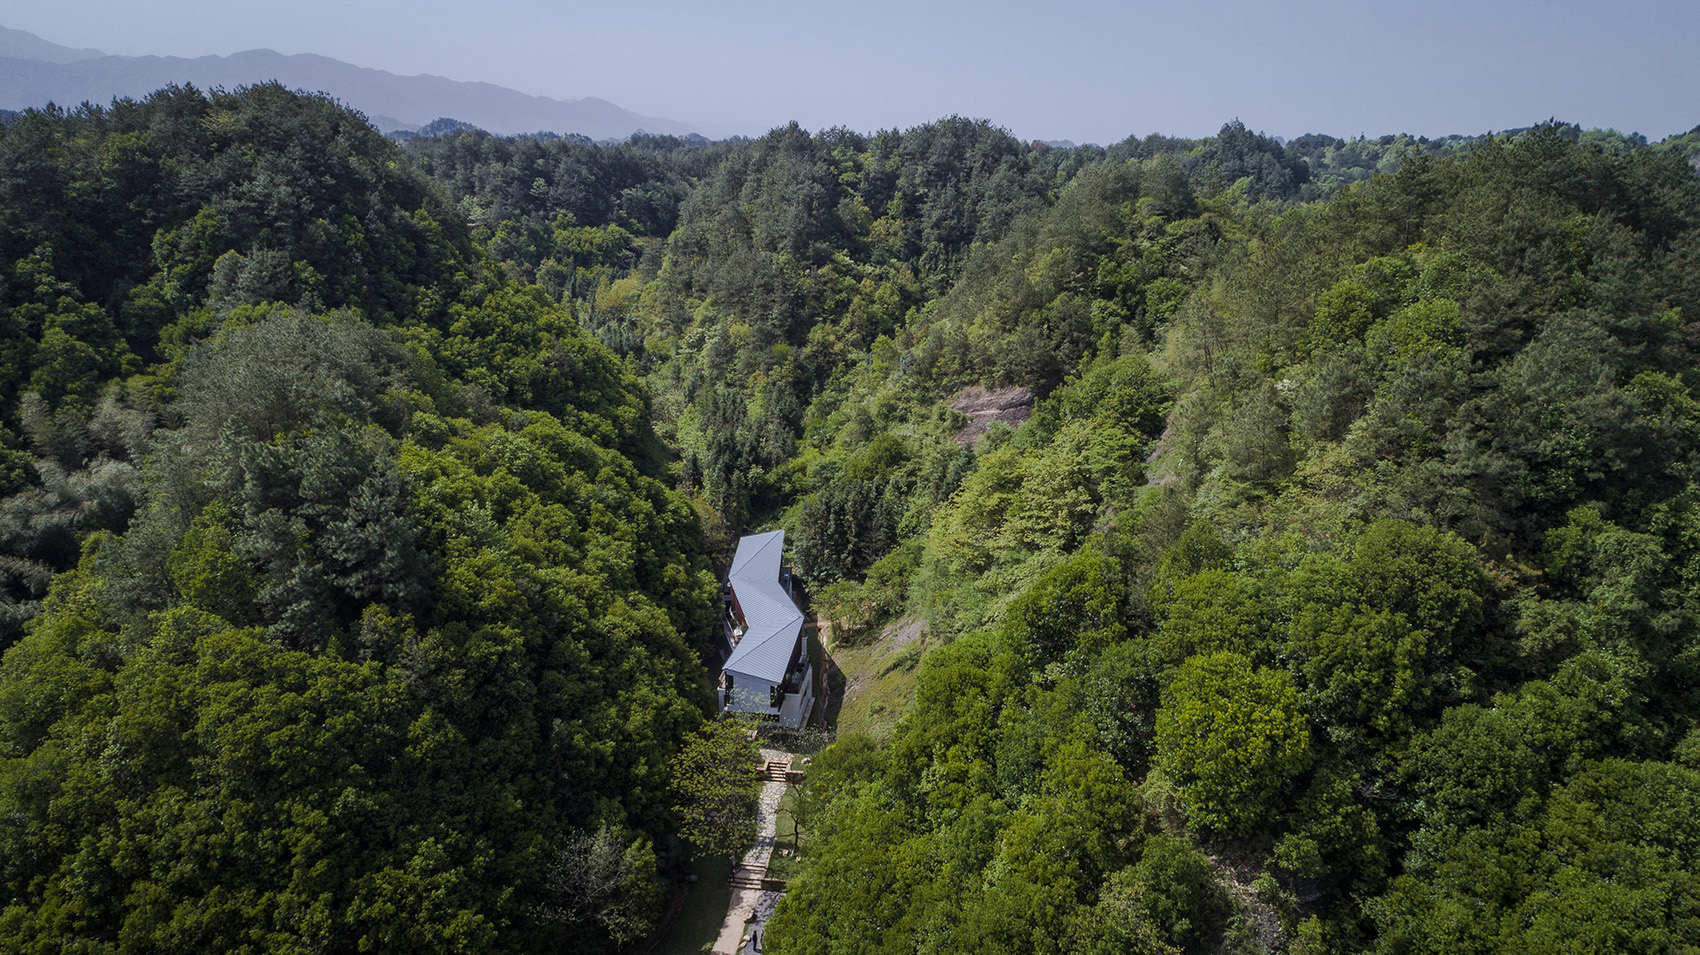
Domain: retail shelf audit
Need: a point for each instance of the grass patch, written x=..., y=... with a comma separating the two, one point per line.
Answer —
x=877, y=680
x=699, y=921
x=907, y=658
x=784, y=863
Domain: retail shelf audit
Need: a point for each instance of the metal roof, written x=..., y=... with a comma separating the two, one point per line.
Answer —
x=772, y=617
x=758, y=557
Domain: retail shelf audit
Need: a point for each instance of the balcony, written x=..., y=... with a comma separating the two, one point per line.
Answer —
x=794, y=706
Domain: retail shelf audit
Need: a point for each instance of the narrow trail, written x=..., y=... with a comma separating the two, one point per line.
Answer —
x=751, y=904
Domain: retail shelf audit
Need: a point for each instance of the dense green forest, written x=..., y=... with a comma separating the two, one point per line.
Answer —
x=1332, y=584
x=347, y=605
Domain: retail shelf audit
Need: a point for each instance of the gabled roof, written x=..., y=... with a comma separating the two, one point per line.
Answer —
x=772, y=617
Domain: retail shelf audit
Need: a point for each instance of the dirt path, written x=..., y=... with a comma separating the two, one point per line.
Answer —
x=750, y=903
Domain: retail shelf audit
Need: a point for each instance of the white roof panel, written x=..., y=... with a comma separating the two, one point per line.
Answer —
x=773, y=618
x=758, y=557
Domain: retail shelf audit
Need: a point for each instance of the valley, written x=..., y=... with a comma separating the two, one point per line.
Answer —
x=1217, y=544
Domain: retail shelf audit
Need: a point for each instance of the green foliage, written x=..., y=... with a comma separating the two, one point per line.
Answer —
x=207, y=573
x=600, y=881
x=1198, y=549
x=274, y=371
x=340, y=667
x=716, y=779
x=845, y=526
x=1118, y=692
x=1119, y=922
x=1382, y=642
x=1343, y=313
x=1485, y=765
x=1434, y=579
x=1603, y=868
x=1443, y=422
x=86, y=479
x=1072, y=607
x=522, y=351
x=1335, y=835
x=1210, y=611
x=1232, y=738
x=866, y=839
x=1182, y=898
x=251, y=196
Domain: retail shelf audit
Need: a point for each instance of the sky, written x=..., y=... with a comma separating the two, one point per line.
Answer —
x=1081, y=70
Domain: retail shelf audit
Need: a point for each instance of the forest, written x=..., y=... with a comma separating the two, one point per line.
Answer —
x=1331, y=583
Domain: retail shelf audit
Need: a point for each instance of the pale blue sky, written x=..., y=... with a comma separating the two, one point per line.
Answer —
x=1086, y=70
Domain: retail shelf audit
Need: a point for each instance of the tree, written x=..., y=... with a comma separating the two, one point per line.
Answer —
x=1120, y=922
x=1232, y=738
x=603, y=879
x=716, y=785
x=1075, y=604
x=1182, y=898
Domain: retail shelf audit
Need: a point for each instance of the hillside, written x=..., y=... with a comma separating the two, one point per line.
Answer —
x=342, y=604
x=1344, y=553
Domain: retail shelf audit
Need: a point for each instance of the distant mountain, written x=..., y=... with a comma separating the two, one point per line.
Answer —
x=18, y=45
x=34, y=72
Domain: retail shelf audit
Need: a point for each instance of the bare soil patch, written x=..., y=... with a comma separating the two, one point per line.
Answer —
x=983, y=405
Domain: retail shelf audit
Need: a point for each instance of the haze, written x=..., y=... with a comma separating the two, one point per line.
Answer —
x=1083, y=70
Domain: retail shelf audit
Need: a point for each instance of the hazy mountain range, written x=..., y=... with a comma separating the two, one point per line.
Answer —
x=35, y=72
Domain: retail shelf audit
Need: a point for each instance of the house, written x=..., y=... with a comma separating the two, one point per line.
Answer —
x=767, y=671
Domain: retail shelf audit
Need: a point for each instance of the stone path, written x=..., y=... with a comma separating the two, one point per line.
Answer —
x=751, y=905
